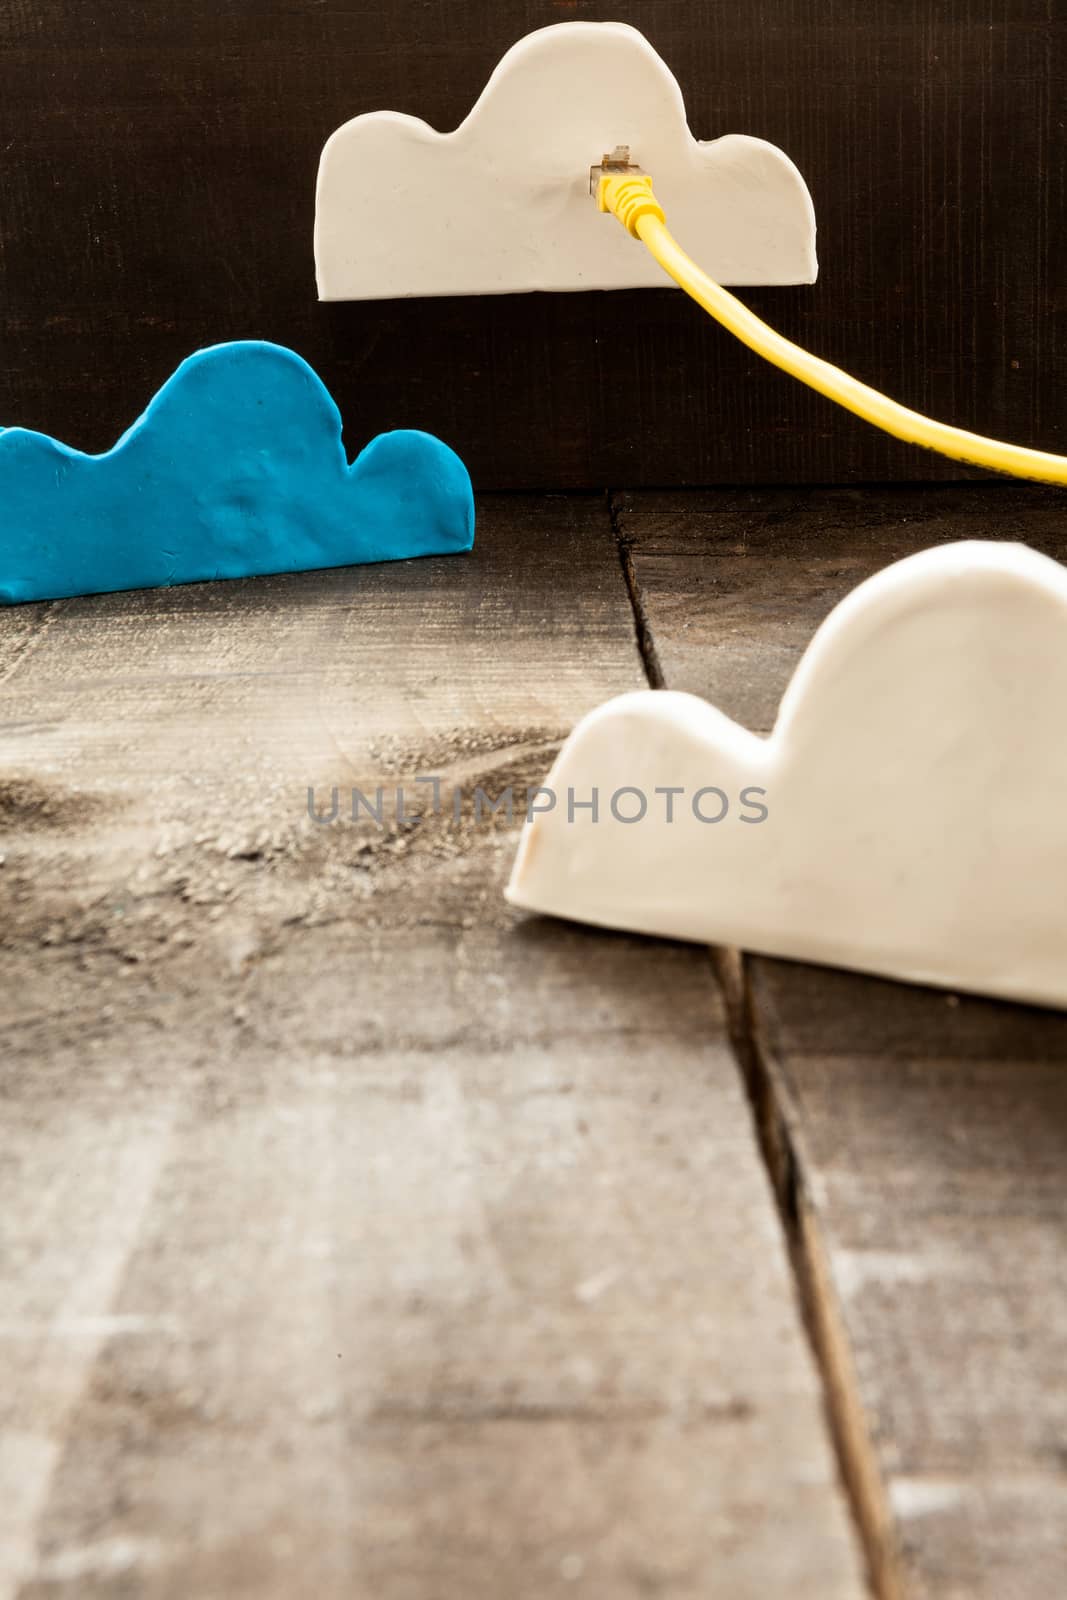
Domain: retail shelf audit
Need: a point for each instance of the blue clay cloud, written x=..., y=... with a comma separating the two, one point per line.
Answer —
x=236, y=468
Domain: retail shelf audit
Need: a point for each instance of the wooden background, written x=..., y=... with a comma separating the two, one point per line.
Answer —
x=157, y=194
x=363, y=1239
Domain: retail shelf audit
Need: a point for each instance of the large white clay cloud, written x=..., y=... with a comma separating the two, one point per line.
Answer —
x=915, y=791
x=502, y=203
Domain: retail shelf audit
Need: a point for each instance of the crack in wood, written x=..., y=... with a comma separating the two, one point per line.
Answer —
x=775, y=1119
x=861, y=1478
x=646, y=644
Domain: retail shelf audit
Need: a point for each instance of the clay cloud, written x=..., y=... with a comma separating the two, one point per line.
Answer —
x=502, y=203
x=236, y=468
x=907, y=816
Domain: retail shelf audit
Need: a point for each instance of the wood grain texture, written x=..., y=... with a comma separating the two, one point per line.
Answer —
x=918, y=1138
x=361, y=1238
x=157, y=194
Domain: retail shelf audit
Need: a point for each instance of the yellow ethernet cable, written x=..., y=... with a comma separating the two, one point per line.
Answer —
x=624, y=190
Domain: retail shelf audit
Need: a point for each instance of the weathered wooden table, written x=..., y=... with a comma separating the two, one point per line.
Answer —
x=362, y=1238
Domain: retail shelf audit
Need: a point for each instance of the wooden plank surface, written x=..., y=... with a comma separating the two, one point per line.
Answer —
x=157, y=194
x=361, y=1238
x=918, y=1139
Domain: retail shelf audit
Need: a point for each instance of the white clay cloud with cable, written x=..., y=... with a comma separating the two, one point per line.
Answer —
x=502, y=204
x=913, y=793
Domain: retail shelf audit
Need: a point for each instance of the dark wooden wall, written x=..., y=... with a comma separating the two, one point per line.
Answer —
x=157, y=194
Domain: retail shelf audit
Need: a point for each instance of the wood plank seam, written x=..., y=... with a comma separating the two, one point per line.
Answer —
x=861, y=1479
x=646, y=643
x=780, y=1140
